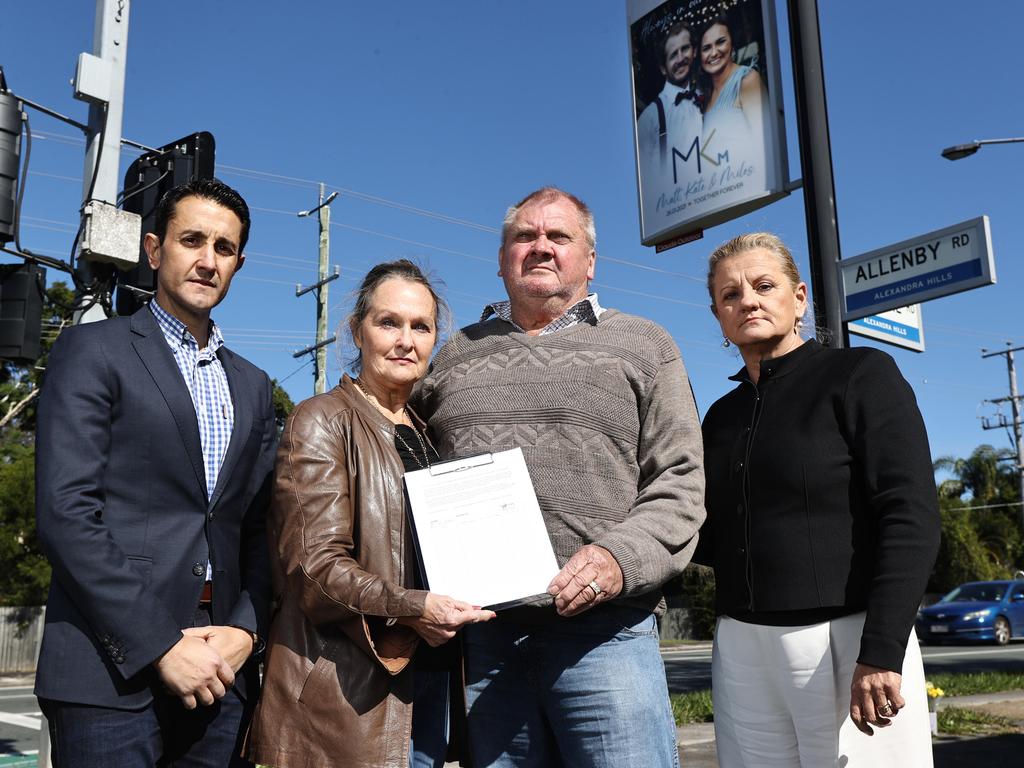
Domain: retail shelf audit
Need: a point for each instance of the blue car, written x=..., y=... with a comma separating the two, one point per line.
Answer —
x=977, y=610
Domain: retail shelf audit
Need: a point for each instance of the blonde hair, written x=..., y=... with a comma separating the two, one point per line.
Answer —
x=749, y=242
x=774, y=245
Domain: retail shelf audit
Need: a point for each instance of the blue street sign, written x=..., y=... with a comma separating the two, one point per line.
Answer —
x=940, y=263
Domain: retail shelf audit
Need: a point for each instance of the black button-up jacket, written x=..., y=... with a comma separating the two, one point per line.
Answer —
x=821, y=495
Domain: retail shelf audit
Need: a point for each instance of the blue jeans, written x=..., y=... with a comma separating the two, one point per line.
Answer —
x=588, y=691
x=429, y=743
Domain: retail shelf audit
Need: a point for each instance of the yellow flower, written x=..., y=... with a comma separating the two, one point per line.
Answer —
x=934, y=692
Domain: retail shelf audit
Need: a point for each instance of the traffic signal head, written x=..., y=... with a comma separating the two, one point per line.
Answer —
x=147, y=179
x=22, y=289
x=10, y=162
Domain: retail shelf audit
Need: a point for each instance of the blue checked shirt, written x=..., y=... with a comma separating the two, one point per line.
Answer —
x=207, y=384
x=586, y=310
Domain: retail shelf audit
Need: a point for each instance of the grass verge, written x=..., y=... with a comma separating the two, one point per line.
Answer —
x=676, y=642
x=970, y=722
x=692, y=707
x=695, y=706
x=967, y=684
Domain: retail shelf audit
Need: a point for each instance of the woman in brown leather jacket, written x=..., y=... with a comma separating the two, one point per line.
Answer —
x=340, y=684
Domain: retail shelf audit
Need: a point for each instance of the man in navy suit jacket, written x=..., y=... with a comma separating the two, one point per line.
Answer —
x=154, y=452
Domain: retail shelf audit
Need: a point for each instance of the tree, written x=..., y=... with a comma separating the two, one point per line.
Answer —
x=26, y=575
x=698, y=589
x=963, y=554
x=283, y=405
x=984, y=475
x=981, y=535
x=19, y=385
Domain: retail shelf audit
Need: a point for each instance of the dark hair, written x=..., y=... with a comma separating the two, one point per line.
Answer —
x=704, y=80
x=402, y=269
x=548, y=195
x=719, y=21
x=722, y=20
x=209, y=189
x=675, y=29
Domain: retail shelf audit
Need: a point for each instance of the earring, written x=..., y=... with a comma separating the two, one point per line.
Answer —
x=726, y=343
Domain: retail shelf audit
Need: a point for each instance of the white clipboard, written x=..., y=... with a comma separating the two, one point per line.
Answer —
x=479, y=531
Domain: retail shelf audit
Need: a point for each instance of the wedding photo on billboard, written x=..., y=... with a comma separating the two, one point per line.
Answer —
x=710, y=137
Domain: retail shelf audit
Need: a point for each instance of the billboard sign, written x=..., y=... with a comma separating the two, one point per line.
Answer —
x=903, y=327
x=709, y=134
x=940, y=263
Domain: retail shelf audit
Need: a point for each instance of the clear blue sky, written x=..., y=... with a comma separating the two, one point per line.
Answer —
x=460, y=108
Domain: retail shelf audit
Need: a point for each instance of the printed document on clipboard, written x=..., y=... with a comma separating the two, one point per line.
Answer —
x=479, y=530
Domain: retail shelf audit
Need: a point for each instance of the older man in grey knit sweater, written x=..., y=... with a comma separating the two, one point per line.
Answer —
x=600, y=403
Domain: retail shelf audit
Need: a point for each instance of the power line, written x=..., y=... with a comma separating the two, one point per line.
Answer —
x=293, y=181
x=50, y=221
x=606, y=287
x=266, y=280
x=968, y=332
x=47, y=228
x=76, y=179
x=412, y=242
x=377, y=200
x=276, y=257
x=659, y=270
x=492, y=230
x=308, y=362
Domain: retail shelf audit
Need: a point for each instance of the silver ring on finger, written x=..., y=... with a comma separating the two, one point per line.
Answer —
x=596, y=587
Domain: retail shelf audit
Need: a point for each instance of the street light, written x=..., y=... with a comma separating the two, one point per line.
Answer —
x=330, y=197
x=958, y=151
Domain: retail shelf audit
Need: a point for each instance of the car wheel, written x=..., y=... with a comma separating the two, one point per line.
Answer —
x=1001, y=630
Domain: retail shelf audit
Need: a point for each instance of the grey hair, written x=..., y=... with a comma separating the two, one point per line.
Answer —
x=547, y=195
x=402, y=269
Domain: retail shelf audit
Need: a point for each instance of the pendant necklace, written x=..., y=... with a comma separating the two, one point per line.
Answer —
x=398, y=434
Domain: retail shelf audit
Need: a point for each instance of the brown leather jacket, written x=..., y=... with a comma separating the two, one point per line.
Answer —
x=337, y=689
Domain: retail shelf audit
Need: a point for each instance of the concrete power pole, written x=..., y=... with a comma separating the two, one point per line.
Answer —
x=100, y=79
x=319, y=349
x=1018, y=428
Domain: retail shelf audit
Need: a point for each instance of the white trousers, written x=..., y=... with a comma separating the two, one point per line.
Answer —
x=782, y=699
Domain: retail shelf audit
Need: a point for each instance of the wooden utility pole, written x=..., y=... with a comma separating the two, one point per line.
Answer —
x=319, y=348
x=1018, y=427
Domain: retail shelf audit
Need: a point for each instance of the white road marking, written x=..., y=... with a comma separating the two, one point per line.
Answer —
x=22, y=721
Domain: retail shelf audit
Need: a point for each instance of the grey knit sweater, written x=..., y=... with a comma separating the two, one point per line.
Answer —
x=606, y=419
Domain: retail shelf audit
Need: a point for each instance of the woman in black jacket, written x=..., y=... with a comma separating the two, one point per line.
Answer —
x=822, y=529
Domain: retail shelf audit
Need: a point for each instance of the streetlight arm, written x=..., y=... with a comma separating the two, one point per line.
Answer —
x=1012, y=140
x=960, y=151
x=311, y=211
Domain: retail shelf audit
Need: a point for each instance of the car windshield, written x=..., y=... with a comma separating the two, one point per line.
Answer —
x=967, y=593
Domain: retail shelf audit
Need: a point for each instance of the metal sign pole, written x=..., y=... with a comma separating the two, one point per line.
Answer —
x=816, y=169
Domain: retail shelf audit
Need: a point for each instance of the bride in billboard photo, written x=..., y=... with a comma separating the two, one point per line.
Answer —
x=709, y=141
x=732, y=143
